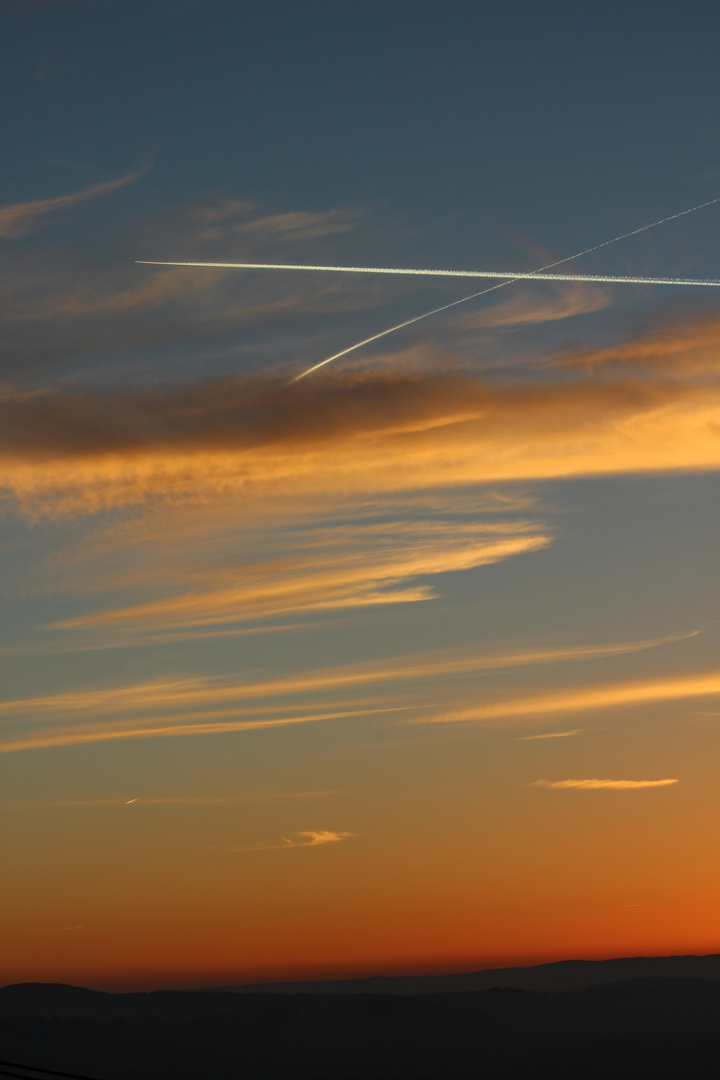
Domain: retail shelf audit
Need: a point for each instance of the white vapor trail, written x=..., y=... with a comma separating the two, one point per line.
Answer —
x=511, y=275
x=500, y=285
x=539, y=275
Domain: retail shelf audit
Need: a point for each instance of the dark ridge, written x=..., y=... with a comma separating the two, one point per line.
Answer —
x=60, y=999
x=562, y=975
x=660, y=1027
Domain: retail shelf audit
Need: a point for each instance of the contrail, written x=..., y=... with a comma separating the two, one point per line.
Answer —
x=510, y=275
x=539, y=275
x=484, y=292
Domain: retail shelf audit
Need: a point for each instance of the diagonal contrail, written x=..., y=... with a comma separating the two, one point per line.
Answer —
x=538, y=275
x=484, y=292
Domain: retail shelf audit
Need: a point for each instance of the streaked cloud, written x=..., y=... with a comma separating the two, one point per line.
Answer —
x=59, y=305
x=53, y=313
x=590, y=697
x=159, y=291
x=549, y=735
x=688, y=346
x=308, y=839
x=357, y=575
x=206, y=691
x=605, y=785
x=226, y=221
x=378, y=432
x=163, y=728
x=540, y=304
x=204, y=706
x=19, y=219
x=257, y=414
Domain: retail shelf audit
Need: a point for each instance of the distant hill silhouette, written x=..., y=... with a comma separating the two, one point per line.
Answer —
x=58, y=999
x=635, y=1027
x=562, y=975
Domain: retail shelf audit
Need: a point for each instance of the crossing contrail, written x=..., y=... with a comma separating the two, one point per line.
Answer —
x=509, y=277
x=500, y=285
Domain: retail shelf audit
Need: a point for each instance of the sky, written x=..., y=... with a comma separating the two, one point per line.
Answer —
x=409, y=665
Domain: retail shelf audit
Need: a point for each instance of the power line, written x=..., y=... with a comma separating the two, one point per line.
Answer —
x=37, y=1069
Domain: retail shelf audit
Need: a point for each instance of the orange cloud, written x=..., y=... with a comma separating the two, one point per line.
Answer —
x=376, y=433
x=590, y=697
x=82, y=735
x=549, y=735
x=204, y=706
x=357, y=576
x=312, y=839
x=602, y=785
x=19, y=219
x=162, y=694
x=229, y=220
x=689, y=347
x=55, y=307
x=114, y=310
x=539, y=305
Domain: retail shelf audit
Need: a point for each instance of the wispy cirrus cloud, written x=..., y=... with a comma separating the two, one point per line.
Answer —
x=205, y=706
x=375, y=432
x=19, y=219
x=549, y=735
x=307, y=839
x=586, y=698
x=602, y=785
x=60, y=305
x=199, y=691
x=681, y=346
x=165, y=727
x=529, y=307
x=224, y=222
x=54, y=313
x=339, y=415
x=355, y=571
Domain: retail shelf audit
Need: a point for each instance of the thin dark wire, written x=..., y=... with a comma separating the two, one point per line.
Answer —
x=17, y=1076
x=36, y=1068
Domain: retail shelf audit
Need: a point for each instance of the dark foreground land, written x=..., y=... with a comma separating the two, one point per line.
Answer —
x=658, y=1027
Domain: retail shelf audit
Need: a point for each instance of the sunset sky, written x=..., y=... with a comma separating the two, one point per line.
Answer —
x=411, y=665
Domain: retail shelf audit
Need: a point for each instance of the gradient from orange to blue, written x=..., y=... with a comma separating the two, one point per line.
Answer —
x=411, y=666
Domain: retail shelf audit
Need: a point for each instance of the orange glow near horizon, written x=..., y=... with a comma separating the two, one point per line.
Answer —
x=408, y=669
x=326, y=884
x=439, y=935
